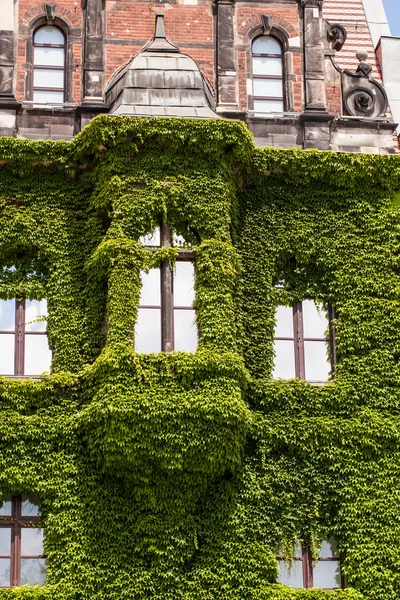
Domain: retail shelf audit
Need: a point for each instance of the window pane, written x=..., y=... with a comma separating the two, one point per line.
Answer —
x=326, y=574
x=185, y=330
x=5, y=540
x=329, y=549
x=33, y=571
x=179, y=240
x=48, y=97
x=317, y=366
x=151, y=239
x=148, y=330
x=6, y=508
x=291, y=573
x=53, y=78
x=284, y=359
x=315, y=320
x=28, y=509
x=49, y=57
x=266, y=45
x=151, y=288
x=263, y=107
x=7, y=345
x=184, y=283
x=263, y=65
x=48, y=35
x=35, y=309
x=268, y=87
x=284, y=321
x=31, y=541
x=37, y=354
x=5, y=578
x=7, y=315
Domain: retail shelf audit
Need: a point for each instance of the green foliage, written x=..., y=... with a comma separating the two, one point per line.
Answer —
x=174, y=476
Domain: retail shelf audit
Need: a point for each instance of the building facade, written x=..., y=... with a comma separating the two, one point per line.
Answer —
x=288, y=69
x=199, y=334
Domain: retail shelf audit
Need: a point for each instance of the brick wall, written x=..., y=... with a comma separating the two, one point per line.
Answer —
x=191, y=26
x=130, y=25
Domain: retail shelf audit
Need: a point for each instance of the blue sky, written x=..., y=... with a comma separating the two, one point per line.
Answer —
x=392, y=8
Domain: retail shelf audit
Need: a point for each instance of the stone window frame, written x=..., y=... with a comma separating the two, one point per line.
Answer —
x=283, y=37
x=64, y=27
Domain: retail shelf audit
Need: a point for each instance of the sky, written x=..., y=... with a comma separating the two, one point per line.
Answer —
x=392, y=8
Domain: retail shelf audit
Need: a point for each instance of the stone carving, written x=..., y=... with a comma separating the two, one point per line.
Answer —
x=363, y=96
x=267, y=23
x=50, y=12
x=311, y=2
x=337, y=35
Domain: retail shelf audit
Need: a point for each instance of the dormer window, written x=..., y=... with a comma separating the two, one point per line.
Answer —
x=48, y=66
x=267, y=75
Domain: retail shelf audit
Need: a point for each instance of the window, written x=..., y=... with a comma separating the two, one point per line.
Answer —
x=48, y=65
x=300, y=573
x=267, y=75
x=302, y=347
x=166, y=317
x=24, y=348
x=21, y=543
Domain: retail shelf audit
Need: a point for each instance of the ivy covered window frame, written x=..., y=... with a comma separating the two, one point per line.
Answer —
x=302, y=572
x=170, y=304
x=22, y=558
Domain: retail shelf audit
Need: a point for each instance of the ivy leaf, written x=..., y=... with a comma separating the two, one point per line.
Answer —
x=396, y=200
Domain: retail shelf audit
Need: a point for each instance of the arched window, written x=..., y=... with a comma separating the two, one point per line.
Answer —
x=267, y=75
x=48, y=65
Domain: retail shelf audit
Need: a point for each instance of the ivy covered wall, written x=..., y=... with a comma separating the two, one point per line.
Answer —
x=175, y=476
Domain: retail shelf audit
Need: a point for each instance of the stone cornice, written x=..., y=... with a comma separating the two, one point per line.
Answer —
x=311, y=2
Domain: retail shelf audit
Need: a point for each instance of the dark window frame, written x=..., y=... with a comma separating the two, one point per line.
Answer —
x=17, y=522
x=270, y=77
x=299, y=339
x=307, y=567
x=49, y=67
x=167, y=289
x=19, y=334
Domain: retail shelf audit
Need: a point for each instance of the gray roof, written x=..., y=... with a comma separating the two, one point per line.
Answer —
x=160, y=81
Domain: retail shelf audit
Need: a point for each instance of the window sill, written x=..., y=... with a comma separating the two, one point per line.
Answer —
x=18, y=377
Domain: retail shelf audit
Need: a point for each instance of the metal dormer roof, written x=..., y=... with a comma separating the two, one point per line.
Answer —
x=160, y=81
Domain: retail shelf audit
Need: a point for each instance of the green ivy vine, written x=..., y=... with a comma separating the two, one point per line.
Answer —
x=175, y=476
